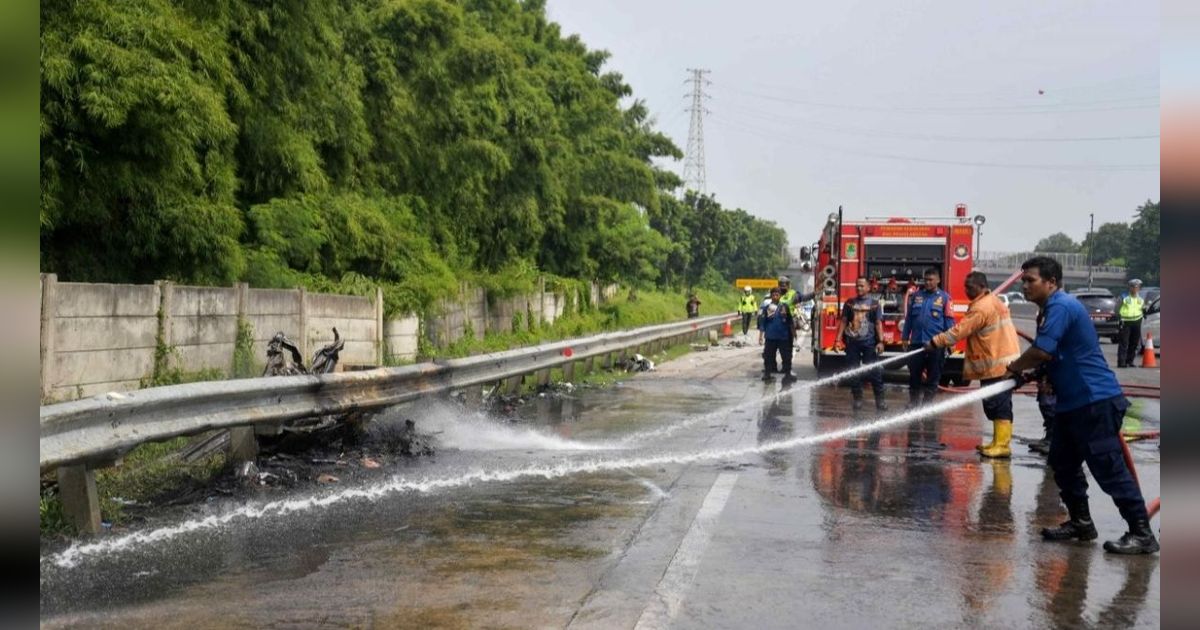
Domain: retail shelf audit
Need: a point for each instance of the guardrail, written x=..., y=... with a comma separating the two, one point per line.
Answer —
x=93, y=429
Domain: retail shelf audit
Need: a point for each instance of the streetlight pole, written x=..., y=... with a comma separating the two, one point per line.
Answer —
x=1091, y=244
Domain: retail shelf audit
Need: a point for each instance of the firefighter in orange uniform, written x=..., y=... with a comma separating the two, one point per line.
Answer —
x=991, y=346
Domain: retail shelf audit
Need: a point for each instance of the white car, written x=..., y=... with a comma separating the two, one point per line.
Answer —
x=1150, y=325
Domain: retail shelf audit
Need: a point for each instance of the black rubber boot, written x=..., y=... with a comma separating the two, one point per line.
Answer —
x=858, y=401
x=927, y=397
x=788, y=378
x=914, y=400
x=880, y=404
x=1139, y=539
x=767, y=378
x=1080, y=527
x=1041, y=446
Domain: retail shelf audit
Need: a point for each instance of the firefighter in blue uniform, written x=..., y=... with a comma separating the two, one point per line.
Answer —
x=929, y=314
x=1089, y=409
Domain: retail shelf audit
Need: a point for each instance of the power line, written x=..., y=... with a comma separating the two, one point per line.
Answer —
x=693, y=165
x=773, y=117
x=774, y=135
x=1101, y=106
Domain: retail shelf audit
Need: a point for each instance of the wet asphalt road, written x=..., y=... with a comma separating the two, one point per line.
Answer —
x=904, y=527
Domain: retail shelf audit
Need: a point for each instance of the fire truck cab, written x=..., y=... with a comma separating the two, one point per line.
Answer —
x=893, y=252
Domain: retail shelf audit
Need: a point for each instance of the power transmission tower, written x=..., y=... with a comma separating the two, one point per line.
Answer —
x=693, y=163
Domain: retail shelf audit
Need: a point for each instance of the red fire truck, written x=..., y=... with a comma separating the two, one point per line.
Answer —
x=894, y=252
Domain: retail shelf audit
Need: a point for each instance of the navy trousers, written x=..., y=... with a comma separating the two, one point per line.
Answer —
x=784, y=348
x=863, y=353
x=1092, y=434
x=930, y=362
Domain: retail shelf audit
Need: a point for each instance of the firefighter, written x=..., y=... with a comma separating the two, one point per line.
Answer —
x=860, y=333
x=1130, y=332
x=928, y=314
x=1088, y=412
x=991, y=346
x=776, y=333
x=747, y=307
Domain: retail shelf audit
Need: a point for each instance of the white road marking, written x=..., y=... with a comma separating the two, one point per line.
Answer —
x=677, y=579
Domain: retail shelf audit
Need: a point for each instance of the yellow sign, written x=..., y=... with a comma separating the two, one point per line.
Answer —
x=905, y=230
x=756, y=283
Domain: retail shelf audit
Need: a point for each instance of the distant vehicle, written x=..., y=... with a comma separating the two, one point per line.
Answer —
x=1102, y=307
x=1150, y=294
x=1009, y=299
x=1016, y=296
x=1150, y=325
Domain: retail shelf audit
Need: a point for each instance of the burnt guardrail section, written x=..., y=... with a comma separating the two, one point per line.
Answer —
x=96, y=428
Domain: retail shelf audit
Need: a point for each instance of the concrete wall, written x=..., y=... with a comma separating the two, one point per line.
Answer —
x=400, y=337
x=98, y=338
x=203, y=326
x=354, y=318
x=102, y=337
x=269, y=311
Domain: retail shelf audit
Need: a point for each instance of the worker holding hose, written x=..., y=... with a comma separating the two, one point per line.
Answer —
x=991, y=346
x=1089, y=410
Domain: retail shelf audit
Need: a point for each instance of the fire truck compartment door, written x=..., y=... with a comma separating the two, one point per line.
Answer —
x=908, y=252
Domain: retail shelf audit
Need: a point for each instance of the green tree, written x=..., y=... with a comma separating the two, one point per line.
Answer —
x=1142, y=256
x=343, y=143
x=1107, y=243
x=1057, y=243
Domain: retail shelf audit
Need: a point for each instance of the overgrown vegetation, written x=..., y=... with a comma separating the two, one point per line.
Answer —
x=650, y=307
x=244, y=363
x=149, y=473
x=166, y=358
x=349, y=144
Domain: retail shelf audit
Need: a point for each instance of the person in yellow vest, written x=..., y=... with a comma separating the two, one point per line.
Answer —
x=747, y=307
x=787, y=294
x=1130, y=333
x=991, y=346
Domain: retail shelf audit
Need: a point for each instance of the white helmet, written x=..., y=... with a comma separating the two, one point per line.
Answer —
x=748, y=289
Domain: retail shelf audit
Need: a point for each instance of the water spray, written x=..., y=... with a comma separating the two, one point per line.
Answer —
x=71, y=556
x=642, y=436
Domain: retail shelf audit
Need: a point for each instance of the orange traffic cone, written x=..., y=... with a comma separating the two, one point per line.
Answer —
x=727, y=329
x=1148, y=358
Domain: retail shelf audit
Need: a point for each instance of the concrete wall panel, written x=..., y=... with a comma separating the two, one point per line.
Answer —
x=272, y=302
x=105, y=300
x=102, y=366
x=99, y=333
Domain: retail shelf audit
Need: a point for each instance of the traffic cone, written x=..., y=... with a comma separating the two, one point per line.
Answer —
x=727, y=329
x=1148, y=358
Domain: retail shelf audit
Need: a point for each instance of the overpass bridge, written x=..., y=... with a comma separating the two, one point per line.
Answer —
x=1075, y=268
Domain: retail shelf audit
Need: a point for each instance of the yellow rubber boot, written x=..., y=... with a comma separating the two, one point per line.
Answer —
x=1002, y=478
x=1002, y=445
x=992, y=444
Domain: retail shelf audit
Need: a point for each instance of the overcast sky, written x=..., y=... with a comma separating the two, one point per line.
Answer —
x=903, y=108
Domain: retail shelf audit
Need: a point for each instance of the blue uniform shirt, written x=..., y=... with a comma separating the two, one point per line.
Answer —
x=775, y=320
x=1078, y=371
x=928, y=316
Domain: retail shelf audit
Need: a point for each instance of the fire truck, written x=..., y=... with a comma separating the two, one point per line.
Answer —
x=894, y=252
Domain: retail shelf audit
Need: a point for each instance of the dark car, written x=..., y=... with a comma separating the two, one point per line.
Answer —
x=1102, y=307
